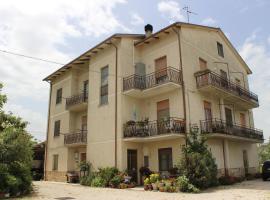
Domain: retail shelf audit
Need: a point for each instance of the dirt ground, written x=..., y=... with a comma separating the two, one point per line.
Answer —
x=253, y=190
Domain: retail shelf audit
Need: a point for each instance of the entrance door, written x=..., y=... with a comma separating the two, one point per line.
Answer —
x=245, y=161
x=165, y=159
x=228, y=114
x=83, y=157
x=161, y=69
x=132, y=163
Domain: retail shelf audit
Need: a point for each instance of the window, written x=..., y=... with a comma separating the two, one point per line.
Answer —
x=161, y=69
x=59, y=96
x=104, y=85
x=146, y=161
x=163, y=110
x=165, y=159
x=242, y=119
x=57, y=128
x=85, y=89
x=203, y=64
x=207, y=110
x=220, y=49
x=55, y=162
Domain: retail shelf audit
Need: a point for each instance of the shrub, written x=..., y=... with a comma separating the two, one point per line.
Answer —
x=229, y=180
x=87, y=180
x=107, y=174
x=185, y=186
x=197, y=162
x=154, y=178
x=98, y=182
x=116, y=180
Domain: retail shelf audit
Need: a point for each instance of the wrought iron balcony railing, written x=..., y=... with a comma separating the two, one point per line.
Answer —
x=151, y=80
x=223, y=127
x=76, y=99
x=154, y=128
x=79, y=137
x=208, y=77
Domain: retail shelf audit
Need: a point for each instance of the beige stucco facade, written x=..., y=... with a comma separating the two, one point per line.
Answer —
x=107, y=144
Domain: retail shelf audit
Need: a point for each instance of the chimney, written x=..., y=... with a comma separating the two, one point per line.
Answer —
x=148, y=30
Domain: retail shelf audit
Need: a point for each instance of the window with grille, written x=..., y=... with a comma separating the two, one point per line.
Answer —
x=104, y=85
x=59, y=96
x=57, y=128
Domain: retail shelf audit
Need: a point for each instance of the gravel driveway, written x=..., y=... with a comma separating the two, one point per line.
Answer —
x=256, y=189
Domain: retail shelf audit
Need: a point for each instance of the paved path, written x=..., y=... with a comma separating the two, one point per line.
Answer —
x=248, y=190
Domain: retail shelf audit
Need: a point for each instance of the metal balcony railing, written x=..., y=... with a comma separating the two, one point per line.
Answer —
x=151, y=80
x=210, y=78
x=76, y=99
x=79, y=137
x=154, y=128
x=219, y=126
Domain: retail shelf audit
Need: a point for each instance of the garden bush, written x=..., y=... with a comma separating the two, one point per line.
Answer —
x=197, y=162
x=185, y=186
x=115, y=181
x=107, y=174
x=98, y=182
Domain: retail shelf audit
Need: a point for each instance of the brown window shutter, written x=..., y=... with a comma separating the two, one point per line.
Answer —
x=162, y=105
x=161, y=66
x=203, y=64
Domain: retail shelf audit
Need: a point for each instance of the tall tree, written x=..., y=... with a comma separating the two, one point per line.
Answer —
x=15, y=152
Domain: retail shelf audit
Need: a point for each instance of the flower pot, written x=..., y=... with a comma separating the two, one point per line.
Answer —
x=154, y=186
x=150, y=187
x=161, y=189
x=146, y=187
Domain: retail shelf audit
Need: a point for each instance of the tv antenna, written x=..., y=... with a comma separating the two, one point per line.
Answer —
x=188, y=11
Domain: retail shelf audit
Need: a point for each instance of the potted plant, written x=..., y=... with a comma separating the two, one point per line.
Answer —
x=146, y=184
x=145, y=172
x=154, y=178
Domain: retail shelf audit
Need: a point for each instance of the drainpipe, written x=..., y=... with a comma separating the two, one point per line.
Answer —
x=177, y=32
x=47, y=134
x=115, y=115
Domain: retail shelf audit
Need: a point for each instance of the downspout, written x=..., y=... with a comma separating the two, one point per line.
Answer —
x=182, y=77
x=47, y=134
x=115, y=114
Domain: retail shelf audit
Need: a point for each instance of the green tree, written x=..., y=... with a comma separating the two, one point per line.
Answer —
x=197, y=162
x=264, y=152
x=15, y=152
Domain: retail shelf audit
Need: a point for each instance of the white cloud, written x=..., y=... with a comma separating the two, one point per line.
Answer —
x=42, y=29
x=37, y=127
x=171, y=10
x=258, y=58
x=209, y=21
x=136, y=19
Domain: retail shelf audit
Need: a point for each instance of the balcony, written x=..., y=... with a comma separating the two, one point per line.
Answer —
x=76, y=139
x=220, y=128
x=144, y=131
x=77, y=102
x=152, y=84
x=210, y=82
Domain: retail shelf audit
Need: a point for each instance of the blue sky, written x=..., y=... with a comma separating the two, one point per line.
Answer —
x=61, y=30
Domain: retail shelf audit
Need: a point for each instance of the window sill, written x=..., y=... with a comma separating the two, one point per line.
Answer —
x=102, y=105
